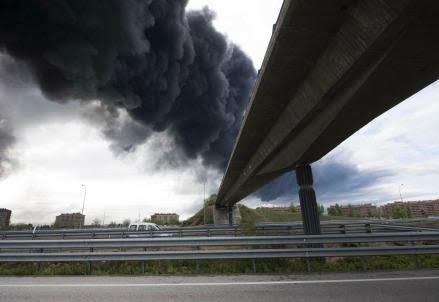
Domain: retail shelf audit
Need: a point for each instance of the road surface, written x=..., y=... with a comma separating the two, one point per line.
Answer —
x=397, y=286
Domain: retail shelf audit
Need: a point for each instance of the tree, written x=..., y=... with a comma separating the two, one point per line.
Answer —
x=401, y=212
x=293, y=208
x=321, y=209
x=96, y=222
x=126, y=222
x=335, y=210
x=112, y=224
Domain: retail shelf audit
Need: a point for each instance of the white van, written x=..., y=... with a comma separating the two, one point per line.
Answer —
x=143, y=227
x=147, y=228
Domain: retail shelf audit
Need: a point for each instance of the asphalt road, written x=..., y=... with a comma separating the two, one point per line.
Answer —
x=397, y=286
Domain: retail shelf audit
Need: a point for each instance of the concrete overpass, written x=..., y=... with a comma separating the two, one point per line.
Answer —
x=331, y=68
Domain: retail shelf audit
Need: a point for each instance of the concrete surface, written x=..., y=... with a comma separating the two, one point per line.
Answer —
x=390, y=287
x=221, y=215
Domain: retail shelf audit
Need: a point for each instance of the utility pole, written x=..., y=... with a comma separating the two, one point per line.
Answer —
x=400, y=195
x=83, y=202
x=204, y=202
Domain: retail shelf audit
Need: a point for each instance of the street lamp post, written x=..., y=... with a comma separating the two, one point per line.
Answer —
x=83, y=200
x=204, y=202
x=400, y=195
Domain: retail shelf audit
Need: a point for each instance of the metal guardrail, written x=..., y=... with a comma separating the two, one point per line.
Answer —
x=402, y=227
x=262, y=229
x=197, y=248
x=308, y=246
x=220, y=254
x=217, y=241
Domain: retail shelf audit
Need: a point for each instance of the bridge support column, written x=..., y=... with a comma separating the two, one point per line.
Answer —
x=308, y=201
x=226, y=215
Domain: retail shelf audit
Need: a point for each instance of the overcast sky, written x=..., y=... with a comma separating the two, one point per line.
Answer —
x=61, y=147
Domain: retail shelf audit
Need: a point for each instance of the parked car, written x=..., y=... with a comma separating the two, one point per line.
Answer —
x=39, y=227
x=146, y=229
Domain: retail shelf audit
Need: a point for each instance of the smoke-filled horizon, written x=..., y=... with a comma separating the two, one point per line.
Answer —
x=169, y=69
x=6, y=140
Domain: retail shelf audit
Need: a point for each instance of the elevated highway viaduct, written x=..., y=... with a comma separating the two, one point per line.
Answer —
x=331, y=67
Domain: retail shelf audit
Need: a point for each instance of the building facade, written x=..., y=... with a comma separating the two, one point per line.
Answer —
x=69, y=220
x=167, y=218
x=396, y=209
x=5, y=217
x=422, y=208
x=361, y=210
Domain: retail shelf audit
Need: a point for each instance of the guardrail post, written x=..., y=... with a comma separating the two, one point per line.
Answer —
x=90, y=265
x=363, y=263
x=368, y=228
x=89, y=268
x=418, y=263
x=143, y=262
x=37, y=266
x=342, y=229
x=197, y=262
x=39, y=263
x=308, y=265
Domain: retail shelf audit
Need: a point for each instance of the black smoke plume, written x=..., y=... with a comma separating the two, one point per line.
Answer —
x=6, y=140
x=169, y=69
x=333, y=179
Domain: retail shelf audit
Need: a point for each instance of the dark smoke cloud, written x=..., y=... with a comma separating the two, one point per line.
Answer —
x=169, y=70
x=333, y=180
x=6, y=141
x=140, y=67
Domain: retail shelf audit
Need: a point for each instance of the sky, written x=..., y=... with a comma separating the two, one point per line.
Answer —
x=58, y=147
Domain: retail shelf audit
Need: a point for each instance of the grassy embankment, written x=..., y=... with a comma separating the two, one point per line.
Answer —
x=188, y=267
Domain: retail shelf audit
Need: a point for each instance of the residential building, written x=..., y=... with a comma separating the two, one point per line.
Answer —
x=361, y=210
x=165, y=218
x=69, y=220
x=421, y=208
x=5, y=217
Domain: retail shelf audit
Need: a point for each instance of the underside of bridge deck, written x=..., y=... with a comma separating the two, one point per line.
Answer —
x=331, y=68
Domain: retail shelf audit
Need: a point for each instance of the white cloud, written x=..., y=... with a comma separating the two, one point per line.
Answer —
x=56, y=158
x=248, y=23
